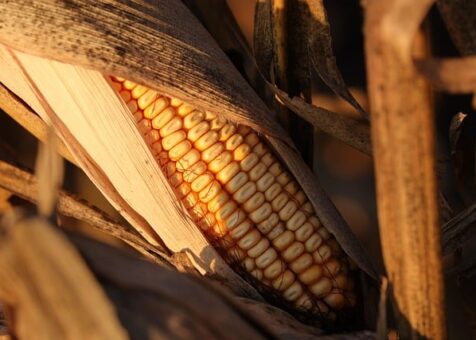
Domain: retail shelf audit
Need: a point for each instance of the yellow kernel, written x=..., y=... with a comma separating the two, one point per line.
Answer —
x=218, y=201
x=244, y=130
x=268, y=224
x=218, y=123
x=180, y=150
x=207, y=221
x=276, y=231
x=194, y=171
x=283, y=179
x=261, y=213
x=300, y=197
x=241, y=152
x=241, y=229
x=266, y=258
x=293, y=251
x=198, y=211
x=287, y=213
x=249, y=264
x=265, y=182
x=276, y=169
x=259, y=248
x=144, y=126
x=259, y=149
x=235, y=219
x=257, y=172
x=301, y=263
x=190, y=200
x=272, y=192
x=304, y=302
x=169, y=169
x=304, y=232
x=284, y=240
x=220, y=162
x=173, y=139
x=207, y=140
x=236, y=182
x=267, y=159
x=225, y=210
x=189, y=159
x=212, y=152
x=254, y=202
x=228, y=172
x=175, y=102
x=163, y=118
x=311, y=274
x=283, y=281
x=184, y=109
x=257, y=274
x=245, y=192
x=125, y=95
x=198, y=130
x=331, y=268
x=138, y=91
x=313, y=242
x=210, y=115
x=182, y=190
x=172, y=126
x=175, y=179
x=252, y=139
x=132, y=106
x=322, y=254
x=249, y=240
x=227, y=131
x=292, y=187
x=335, y=299
x=210, y=191
x=193, y=119
x=157, y=147
x=293, y=292
x=129, y=85
x=249, y=162
x=307, y=207
x=233, y=142
x=321, y=287
x=147, y=98
x=324, y=233
x=279, y=202
x=151, y=111
x=274, y=269
x=201, y=182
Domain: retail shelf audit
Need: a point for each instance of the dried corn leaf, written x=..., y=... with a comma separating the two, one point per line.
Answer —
x=459, y=17
x=171, y=46
x=306, y=32
x=54, y=297
x=322, y=56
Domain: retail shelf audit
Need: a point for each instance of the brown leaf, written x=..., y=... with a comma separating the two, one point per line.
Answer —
x=348, y=130
x=322, y=56
x=459, y=17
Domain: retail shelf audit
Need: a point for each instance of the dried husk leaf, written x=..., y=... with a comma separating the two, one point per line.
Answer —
x=162, y=46
x=321, y=54
x=459, y=17
x=55, y=297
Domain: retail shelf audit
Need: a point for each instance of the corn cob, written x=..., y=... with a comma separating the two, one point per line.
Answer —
x=240, y=195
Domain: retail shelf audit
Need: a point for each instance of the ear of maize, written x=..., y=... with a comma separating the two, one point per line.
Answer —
x=241, y=196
